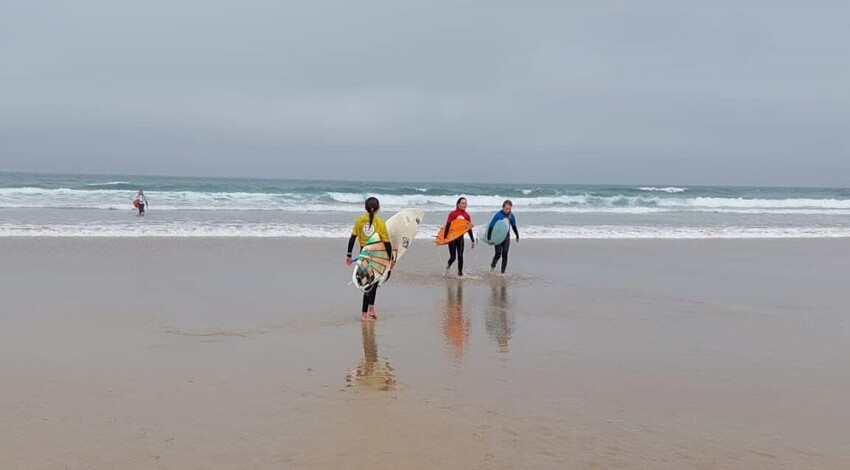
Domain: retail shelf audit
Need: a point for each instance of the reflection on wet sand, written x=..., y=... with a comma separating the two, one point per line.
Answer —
x=498, y=319
x=455, y=324
x=372, y=373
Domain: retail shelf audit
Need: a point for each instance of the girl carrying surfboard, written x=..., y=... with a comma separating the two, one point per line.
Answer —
x=456, y=229
x=367, y=226
x=502, y=246
x=140, y=202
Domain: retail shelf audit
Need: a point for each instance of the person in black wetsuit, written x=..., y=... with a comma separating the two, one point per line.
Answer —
x=456, y=246
x=143, y=201
x=502, y=248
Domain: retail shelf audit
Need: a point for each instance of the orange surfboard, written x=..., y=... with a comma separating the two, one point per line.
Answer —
x=458, y=228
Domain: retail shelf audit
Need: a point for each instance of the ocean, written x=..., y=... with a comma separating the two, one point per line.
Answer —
x=60, y=205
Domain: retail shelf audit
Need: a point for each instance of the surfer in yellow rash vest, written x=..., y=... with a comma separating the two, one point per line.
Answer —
x=456, y=246
x=364, y=227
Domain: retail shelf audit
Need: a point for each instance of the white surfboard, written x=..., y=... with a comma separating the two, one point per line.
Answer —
x=402, y=228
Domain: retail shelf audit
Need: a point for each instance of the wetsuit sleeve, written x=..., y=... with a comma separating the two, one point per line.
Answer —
x=351, y=243
x=494, y=219
x=389, y=247
x=448, y=225
x=513, y=226
x=492, y=224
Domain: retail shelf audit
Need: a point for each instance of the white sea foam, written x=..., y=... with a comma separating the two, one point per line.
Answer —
x=719, y=202
x=489, y=201
x=111, y=199
x=669, y=189
x=591, y=201
x=110, y=183
x=529, y=191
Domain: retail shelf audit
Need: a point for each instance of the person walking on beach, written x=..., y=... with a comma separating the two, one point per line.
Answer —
x=502, y=248
x=365, y=226
x=141, y=201
x=456, y=246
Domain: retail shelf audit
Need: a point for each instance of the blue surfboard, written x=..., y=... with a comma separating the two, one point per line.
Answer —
x=498, y=235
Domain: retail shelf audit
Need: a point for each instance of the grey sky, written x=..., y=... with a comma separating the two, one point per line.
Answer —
x=723, y=92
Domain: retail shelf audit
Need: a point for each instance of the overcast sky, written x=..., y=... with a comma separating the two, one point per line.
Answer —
x=596, y=91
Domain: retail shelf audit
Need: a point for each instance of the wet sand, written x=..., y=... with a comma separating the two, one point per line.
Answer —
x=229, y=353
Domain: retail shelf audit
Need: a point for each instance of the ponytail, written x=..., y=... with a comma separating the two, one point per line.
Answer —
x=372, y=206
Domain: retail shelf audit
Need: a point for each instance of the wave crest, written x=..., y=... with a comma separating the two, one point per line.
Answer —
x=669, y=189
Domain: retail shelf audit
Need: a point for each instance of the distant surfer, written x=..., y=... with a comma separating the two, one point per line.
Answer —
x=503, y=216
x=364, y=227
x=456, y=246
x=140, y=201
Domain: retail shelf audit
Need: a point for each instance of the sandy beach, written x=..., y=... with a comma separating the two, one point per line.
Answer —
x=249, y=353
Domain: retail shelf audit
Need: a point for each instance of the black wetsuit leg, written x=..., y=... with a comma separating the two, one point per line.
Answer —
x=506, y=245
x=502, y=252
x=369, y=297
x=460, y=248
x=372, y=293
x=452, y=253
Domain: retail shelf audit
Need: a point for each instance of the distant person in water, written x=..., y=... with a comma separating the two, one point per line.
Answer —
x=456, y=246
x=365, y=226
x=502, y=248
x=141, y=202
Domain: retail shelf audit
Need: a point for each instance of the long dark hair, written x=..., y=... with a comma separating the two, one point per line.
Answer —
x=458, y=201
x=372, y=206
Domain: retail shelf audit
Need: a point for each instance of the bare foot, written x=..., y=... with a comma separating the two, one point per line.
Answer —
x=364, y=317
x=373, y=314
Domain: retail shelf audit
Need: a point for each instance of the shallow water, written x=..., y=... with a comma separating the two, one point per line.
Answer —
x=715, y=354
